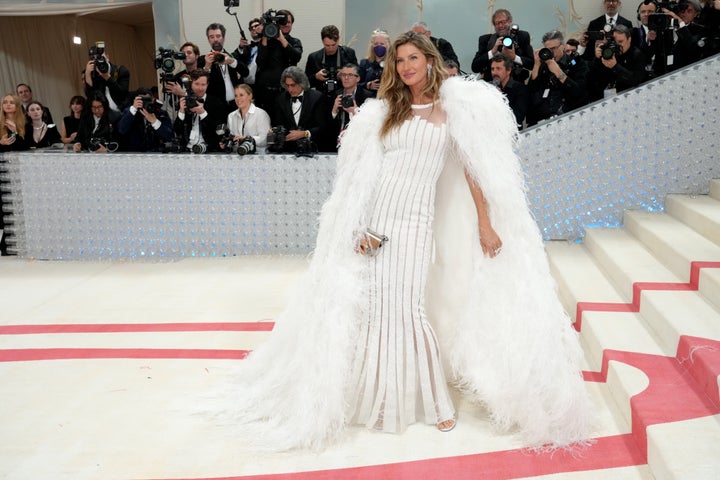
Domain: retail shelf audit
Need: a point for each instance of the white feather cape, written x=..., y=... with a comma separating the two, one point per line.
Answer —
x=504, y=335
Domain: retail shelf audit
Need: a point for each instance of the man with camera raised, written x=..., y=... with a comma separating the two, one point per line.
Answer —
x=226, y=71
x=113, y=81
x=277, y=51
x=190, y=62
x=346, y=102
x=199, y=115
x=248, y=50
x=618, y=65
x=611, y=18
x=323, y=66
x=509, y=40
x=557, y=81
x=144, y=126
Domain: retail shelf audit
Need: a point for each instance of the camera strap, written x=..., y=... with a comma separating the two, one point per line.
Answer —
x=337, y=59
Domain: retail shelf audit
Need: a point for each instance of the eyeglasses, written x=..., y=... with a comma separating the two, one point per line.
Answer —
x=97, y=107
x=347, y=75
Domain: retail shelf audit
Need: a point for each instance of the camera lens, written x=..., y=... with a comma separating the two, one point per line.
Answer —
x=545, y=54
x=507, y=42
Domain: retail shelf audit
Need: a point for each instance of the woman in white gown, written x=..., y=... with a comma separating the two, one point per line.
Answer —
x=431, y=166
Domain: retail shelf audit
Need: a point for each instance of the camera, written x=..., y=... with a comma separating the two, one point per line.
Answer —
x=331, y=84
x=347, y=101
x=305, y=148
x=165, y=61
x=226, y=139
x=609, y=49
x=219, y=55
x=96, y=53
x=509, y=40
x=545, y=54
x=199, y=148
x=192, y=100
x=605, y=34
x=95, y=143
x=245, y=146
x=172, y=147
x=276, y=139
x=232, y=3
x=272, y=20
x=148, y=104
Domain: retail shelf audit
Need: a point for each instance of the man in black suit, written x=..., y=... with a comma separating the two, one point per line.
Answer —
x=516, y=92
x=197, y=123
x=444, y=47
x=611, y=17
x=322, y=66
x=692, y=38
x=519, y=49
x=113, y=81
x=226, y=70
x=273, y=57
x=345, y=104
x=613, y=73
x=24, y=91
x=300, y=110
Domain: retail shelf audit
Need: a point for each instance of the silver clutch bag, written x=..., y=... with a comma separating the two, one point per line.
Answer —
x=375, y=241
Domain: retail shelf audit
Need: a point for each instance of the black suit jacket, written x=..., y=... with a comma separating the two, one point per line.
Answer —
x=118, y=84
x=216, y=83
x=216, y=115
x=518, y=97
x=597, y=25
x=273, y=58
x=313, y=116
x=315, y=63
x=481, y=62
x=629, y=72
x=446, y=49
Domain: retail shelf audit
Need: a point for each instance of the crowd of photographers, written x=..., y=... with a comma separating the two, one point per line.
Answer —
x=255, y=98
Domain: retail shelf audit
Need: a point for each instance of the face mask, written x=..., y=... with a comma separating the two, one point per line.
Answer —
x=379, y=50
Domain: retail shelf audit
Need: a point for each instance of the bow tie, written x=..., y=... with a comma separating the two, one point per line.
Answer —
x=297, y=99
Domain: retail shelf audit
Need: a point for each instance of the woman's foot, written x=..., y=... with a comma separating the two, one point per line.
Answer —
x=446, y=425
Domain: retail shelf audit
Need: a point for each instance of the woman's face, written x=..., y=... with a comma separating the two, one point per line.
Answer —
x=242, y=99
x=35, y=112
x=8, y=105
x=411, y=65
x=76, y=108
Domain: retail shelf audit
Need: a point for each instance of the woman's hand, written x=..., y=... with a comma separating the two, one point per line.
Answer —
x=490, y=241
x=7, y=140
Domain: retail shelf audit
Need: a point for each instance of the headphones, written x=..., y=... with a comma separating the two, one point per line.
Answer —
x=638, y=10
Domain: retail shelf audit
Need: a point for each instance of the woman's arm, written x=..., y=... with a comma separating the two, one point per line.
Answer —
x=489, y=239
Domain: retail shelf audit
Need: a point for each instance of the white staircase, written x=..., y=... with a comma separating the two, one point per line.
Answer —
x=648, y=296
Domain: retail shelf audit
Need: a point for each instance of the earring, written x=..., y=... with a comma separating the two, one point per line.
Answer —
x=429, y=68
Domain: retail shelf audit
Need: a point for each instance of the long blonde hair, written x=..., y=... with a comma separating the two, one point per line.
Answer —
x=19, y=116
x=371, y=48
x=392, y=89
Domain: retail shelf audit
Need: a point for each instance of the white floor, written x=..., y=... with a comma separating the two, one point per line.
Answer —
x=92, y=418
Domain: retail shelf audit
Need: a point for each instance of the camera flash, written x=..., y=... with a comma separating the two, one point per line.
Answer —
x=77, y=40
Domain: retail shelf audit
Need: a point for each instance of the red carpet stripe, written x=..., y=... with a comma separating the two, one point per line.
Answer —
x=638, y=288
x=264, y=326
x=607, y=452
x=36, y=354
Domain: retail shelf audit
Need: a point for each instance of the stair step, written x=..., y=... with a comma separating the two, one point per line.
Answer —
x=685, y=449
x=675, y=244
x=626, y=260
x=701, y=213
x=709, y=285
x=715, y=188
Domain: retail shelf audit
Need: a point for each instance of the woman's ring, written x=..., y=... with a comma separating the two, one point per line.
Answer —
x=497, y=250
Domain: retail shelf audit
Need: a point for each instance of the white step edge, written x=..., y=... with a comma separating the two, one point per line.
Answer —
x=689, y=449
x=701, y=213
x=675, y=244
x=715, y=188
x=578, y=277
x=671, y=314
x=709, y=285
x=624, y=382
x=626, y=260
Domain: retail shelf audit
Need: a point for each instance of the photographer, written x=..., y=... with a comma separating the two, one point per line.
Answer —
x=444, y=47
x=190, y=62
x=144, y=125
x=653, y=40
x=693, y=42
x=557, y=81
x=508, y=40
x=518, y=97
x=113, y=81
x=611, y=18
x=275, y=54
x=199, y=115
x=371, y=67
x=322, y=66
x=618, y=65
x=346, y=102
x=248, y=120
x=300, y=111
x=226, y=71
x=97, y=129
x=248, y=50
